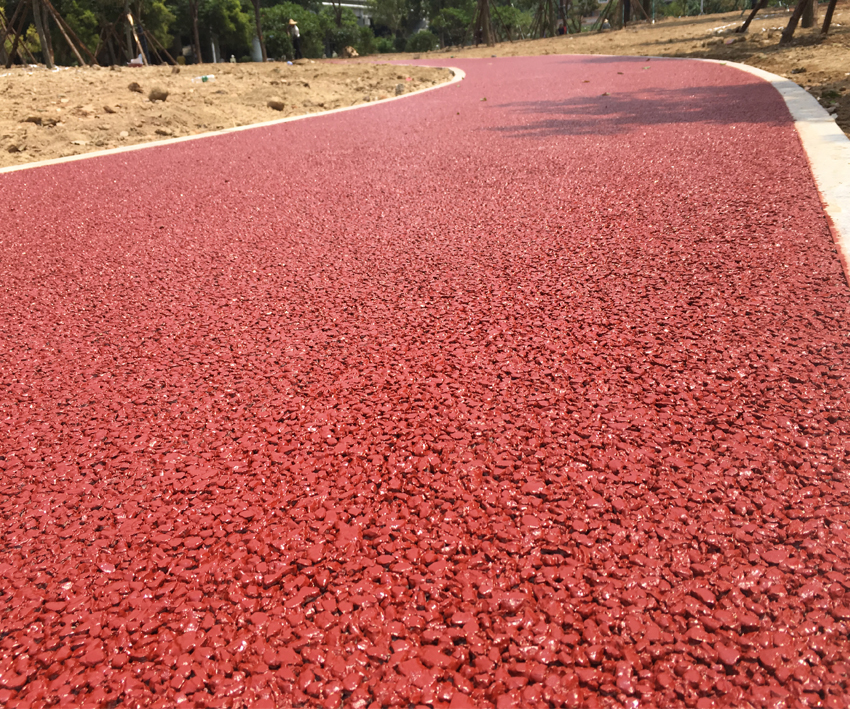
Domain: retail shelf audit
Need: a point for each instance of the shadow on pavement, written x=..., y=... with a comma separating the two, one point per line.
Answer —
x=623, y=112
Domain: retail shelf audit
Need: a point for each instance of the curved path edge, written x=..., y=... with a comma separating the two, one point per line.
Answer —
x=828, y=151
x=457, y=75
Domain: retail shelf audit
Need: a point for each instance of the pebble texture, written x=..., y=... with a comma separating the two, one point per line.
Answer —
x=532, y=401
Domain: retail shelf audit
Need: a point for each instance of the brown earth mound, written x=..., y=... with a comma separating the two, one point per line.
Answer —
x=51, y=114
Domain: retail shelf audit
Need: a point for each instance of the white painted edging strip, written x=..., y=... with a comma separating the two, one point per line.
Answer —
x=827, y=148
x=458, y=75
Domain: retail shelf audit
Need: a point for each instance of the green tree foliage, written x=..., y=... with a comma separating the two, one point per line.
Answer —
x=423, y=41
x=275, y=23
x=158, y=19
x=228, y=20
x=85, y=18
x=454, y=24
x=384, y=45
x=679, y=8
x=392, y=14
x=101, y=26
x=512, y=23
x=366, y=44
x=579, y=10
x=336, y=37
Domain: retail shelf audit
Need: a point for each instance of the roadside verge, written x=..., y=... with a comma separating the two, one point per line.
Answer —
x=457, y=76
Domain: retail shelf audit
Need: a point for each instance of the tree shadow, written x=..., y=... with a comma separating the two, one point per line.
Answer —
x=622, y=112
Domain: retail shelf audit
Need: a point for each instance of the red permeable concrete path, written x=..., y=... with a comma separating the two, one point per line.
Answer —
x=530, y=391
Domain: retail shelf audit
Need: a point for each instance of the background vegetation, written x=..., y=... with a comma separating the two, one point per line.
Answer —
x=169, y=26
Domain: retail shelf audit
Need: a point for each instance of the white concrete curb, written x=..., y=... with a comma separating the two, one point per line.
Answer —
x=827, y=148
x=458, y=75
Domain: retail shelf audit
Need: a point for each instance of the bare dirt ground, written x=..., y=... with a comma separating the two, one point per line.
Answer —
x=51, y=114
x=47, y=114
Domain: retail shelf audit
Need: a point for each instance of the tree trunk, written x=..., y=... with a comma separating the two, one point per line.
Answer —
x=486, y=29
x=3, y=36
x=827, y=20
x=810, y=14
x=193, y=6
x=113, y=60
x=745, y=26
x=259, y=29
x=484, y=23
x=49, y=37
x=788, y=32
x=128, y=32
x=39, y=28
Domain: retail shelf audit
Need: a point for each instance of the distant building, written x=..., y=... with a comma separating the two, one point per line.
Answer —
x=360, y=9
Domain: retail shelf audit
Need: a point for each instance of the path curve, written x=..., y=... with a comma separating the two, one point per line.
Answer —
x=531, y=391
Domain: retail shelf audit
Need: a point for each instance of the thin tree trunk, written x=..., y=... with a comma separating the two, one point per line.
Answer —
x=49, y=36
x=259, y=29
x=745, y=26
x=788, y=32
x=827, y=20
x=128, y=32
x=810, y=14
x=193, y=6
x=39, y=28
x=112, y=58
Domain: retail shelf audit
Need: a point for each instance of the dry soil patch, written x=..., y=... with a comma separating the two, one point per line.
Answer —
x=51, y=114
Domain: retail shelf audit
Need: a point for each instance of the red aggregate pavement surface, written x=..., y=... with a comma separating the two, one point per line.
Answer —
x=532, y=401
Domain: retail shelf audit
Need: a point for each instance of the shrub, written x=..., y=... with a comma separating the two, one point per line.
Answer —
x=337, y=38
x=384, y=45
x=366, y=43
x=423, y=41
x=275, y=23
x=453, y=24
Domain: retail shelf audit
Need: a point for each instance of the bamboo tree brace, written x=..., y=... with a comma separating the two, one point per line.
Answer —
x=141, y=51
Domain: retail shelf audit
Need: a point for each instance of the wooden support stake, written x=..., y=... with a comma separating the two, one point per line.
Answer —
x=600, y=21
x=64, y=33
x=155, y=41
x=16, y=33
x=141, y=49
x=23, y=45
x=67, y=28
x=640, y=5
x=10, y=27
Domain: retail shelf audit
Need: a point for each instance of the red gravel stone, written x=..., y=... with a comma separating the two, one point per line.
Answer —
x=527, y=402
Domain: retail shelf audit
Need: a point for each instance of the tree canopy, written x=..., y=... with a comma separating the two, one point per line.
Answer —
x=191, y=30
